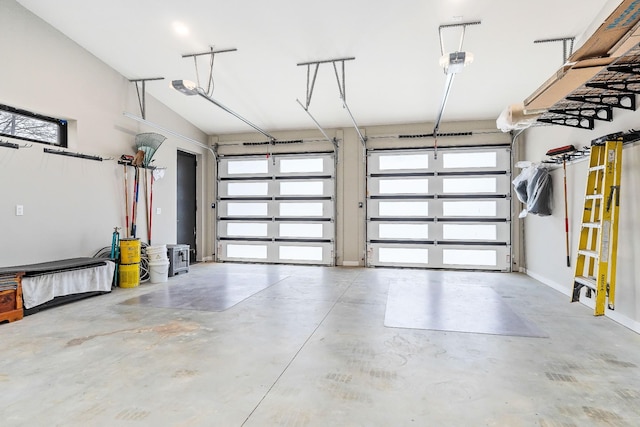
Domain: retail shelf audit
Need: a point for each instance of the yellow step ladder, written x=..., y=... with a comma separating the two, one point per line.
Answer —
x=597, y=250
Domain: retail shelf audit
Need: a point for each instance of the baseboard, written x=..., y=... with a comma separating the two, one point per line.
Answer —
x=555, y=285
x=611, y=314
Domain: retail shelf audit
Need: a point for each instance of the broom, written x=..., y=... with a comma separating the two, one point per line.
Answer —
x=565, y=153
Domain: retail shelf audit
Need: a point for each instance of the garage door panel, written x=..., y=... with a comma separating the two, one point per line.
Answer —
x=246, y=167
x=398, y=208
x=475, y=258
x=408, y=231
x=472, y=185
x=245, y=189
x=464, y=257
x=452, y=212
x=305, y=230
x=244, y=209
x=308, y=166
x=302, y=252
x=397, y=255
x=475, y=160
x=276, y=210
x=244, y=251
x=244, y=229
x=304, y=208
x=400, y=185
x=390, y=162
x=472, y=208
x=310, y=187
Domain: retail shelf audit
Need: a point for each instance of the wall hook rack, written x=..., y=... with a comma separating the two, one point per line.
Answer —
x=8, y=144
x=78, y=155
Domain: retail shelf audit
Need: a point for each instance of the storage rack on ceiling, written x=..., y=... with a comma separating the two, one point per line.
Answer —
x=615, y=86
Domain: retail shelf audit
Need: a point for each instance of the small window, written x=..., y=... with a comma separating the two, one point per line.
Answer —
x=28, y=126
x=301, y=230
x=301, y=253
x=403, y=209
x=247, y=209
x=404, y=161
x=235, y=167
x=470, y=160
x=403, y=231
x=247, y=229
x=310, y=165
x=404, y=186
x=248, y=188
x=301, y=209
x=301, y=188
x=404, y=255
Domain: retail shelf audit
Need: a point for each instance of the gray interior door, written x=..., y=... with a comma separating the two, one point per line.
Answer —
x=186, y=209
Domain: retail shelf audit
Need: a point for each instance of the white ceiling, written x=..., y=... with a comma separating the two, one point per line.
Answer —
x=395, y=77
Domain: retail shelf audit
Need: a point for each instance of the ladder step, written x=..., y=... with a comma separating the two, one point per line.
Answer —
x=594, y=197
x=589, y=282
x=591, y=224
x=592, y=254
x=597, y=168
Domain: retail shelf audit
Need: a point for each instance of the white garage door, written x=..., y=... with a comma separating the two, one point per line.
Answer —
x=276, y=210
x=452, y=212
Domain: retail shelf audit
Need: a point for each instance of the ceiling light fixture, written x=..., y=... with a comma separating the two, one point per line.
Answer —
x=185, y=86
x=180, y=29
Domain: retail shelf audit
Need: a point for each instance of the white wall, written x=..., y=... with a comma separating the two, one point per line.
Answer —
x=71, y=205
x=545, y=236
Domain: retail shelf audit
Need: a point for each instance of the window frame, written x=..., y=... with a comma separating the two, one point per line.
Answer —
x=61, y=124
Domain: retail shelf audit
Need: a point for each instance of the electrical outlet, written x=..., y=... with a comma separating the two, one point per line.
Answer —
x=158, y=211
x=19, y=210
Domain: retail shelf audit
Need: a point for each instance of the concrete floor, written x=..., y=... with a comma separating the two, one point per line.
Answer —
x=312, y=349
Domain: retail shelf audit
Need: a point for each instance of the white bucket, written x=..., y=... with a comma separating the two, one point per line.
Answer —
x=157, y=253
x=158, y=271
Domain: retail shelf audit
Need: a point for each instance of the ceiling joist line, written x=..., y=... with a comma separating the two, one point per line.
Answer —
x=142, y=101
x=341, y=80
x=189, y=88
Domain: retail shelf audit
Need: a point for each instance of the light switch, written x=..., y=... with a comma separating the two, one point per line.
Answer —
x=19, y=210
x=158, y=211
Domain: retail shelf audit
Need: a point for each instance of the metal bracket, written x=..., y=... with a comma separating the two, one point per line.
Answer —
x=619, y=86
x=596, y=112
x=341, y=88
x=610, y=100
x=576, y=122
x=211, y=53
x=626, y=69
x=564, y=41
x=142, y=93
x=464, y=26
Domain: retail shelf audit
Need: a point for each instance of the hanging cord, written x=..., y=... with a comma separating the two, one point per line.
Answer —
x=195, y=63
x=210, y=84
